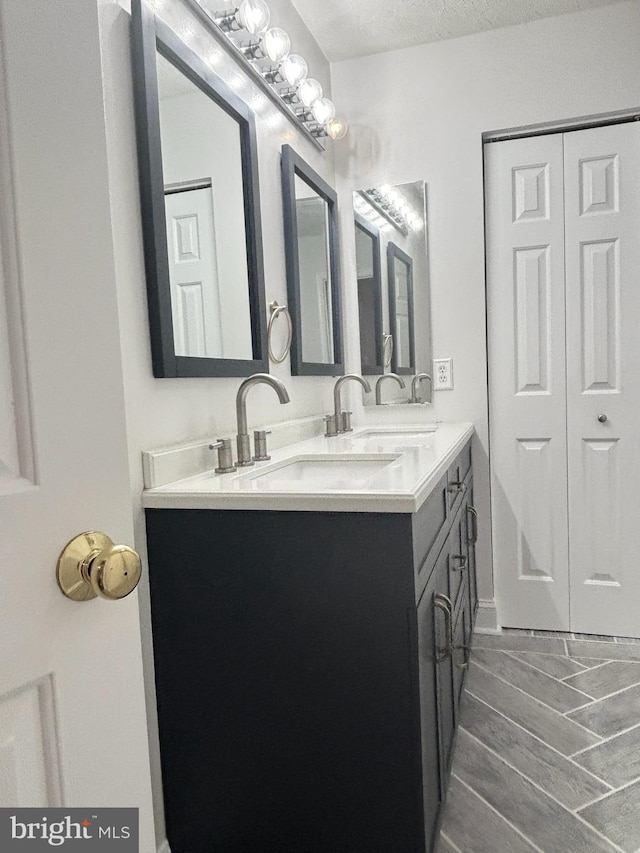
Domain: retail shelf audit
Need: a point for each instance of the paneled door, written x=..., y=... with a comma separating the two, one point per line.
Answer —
x=72, y=714
x=527, y=385
x=602, y=215
x=563, y=254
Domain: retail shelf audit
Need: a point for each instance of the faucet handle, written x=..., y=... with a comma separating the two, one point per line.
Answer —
x=260, y=443
x=331, y=426
x=225, y=455
x=346, y=422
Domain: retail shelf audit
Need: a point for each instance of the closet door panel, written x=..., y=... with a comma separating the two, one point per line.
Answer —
x=602, y=191
x=527, y=387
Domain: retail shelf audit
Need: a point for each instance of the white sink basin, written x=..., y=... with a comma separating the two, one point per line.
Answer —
x=396, y=437
x=339, y=472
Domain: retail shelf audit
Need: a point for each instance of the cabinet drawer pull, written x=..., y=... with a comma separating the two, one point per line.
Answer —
x=463, y=564
x=443, y=602
x=466, y=649
x=455, y=488
x=473, y=512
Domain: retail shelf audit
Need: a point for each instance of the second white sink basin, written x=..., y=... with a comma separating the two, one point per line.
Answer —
x=339, y=472
x=396, y=437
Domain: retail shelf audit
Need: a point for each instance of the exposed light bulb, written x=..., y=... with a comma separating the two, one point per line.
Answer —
x=323, y=110
x=294, y=69
x=417, y=224
x=337, y=128
x=309, y=91
x=253, y=16
x=277, y=44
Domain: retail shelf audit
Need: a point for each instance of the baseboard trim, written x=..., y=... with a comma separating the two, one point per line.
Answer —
x=164, y=847
x=487, y=617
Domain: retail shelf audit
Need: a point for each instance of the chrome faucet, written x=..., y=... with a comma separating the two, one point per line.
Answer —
x=342, y=420
x=415, y=382
x=379, y=382
x=243, y=440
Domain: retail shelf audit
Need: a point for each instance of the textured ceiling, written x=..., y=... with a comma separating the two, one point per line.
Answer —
x=348, y=28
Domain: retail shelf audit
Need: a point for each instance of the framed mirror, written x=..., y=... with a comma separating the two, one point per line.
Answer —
x=399, y=215
x=369, y=296
x=401, y=323
x=198, y=169
x=313, y=285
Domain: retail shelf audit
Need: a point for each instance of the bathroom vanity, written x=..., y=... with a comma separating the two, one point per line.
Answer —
x=311, y=627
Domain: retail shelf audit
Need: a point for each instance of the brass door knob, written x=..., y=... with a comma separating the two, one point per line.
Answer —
x=91, y=566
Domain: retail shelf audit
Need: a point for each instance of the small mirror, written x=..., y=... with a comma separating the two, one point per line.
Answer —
x=199, y=192
x=312, y=268
x=369, y=296
x=403, y=337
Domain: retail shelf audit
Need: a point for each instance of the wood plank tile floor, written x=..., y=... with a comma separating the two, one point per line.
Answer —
x=547, y=756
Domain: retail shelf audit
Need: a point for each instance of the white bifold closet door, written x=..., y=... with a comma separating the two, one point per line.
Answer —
x=563, y=295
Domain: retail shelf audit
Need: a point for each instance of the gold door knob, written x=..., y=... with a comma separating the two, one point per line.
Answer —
x=91, y=566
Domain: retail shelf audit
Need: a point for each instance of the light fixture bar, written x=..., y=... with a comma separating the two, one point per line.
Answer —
x=236, y=54
x=381, y=211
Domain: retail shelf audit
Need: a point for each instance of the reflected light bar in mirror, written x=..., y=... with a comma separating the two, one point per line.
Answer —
x=394, y=207
x=363, y=207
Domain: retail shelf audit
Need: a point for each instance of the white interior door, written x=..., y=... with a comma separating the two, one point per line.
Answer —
x=72, y=715
x=563, y=251
x=193, y=271
x=527, y=395
x=602, y=180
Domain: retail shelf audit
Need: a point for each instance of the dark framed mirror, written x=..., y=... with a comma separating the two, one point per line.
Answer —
x=198, y=165
x=369, y=276
x=313, y=284
x=400, y=273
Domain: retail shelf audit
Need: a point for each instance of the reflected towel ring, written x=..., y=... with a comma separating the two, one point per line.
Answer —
x=387, y=344
x=275, y=310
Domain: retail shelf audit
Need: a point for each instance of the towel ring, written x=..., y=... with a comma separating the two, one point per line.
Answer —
x=387, y=344
x=276, y=310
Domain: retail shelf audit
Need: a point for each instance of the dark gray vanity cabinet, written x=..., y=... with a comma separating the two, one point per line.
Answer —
x=300, y=706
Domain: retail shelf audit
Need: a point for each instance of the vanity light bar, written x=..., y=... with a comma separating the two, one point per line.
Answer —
x=267, y=52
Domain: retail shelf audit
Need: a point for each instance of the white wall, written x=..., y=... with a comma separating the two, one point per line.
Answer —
x=169, y=411
x=420, y=113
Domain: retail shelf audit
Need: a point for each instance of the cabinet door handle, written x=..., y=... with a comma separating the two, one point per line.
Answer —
x=473, y=512
x=463, y=564
x=443, y=602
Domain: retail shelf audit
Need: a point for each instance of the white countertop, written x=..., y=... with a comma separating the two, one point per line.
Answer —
x=400, y=469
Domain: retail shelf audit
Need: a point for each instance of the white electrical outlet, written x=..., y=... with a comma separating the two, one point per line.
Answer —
x=443, y=374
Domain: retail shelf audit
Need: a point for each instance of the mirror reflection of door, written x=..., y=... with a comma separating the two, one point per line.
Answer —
x=402, y=308
x=193, y=270
x=369, y=297
x=316, y=312
x=205, y=223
